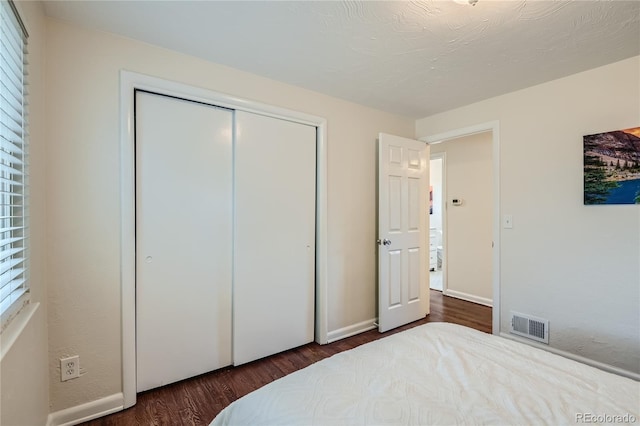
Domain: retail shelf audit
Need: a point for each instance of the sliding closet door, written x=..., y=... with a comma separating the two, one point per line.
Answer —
x=274, y=251
x=183, y=238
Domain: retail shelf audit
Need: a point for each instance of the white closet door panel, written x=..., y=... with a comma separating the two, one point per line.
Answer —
x=274, y=260
x=184, y=239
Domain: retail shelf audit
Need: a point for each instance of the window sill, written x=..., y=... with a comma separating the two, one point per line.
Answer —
x=18, y=323
x=11, y=307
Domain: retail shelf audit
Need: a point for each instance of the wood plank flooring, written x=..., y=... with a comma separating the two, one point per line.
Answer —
x=198, y=400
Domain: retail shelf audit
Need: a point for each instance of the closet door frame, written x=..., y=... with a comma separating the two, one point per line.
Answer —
x=129, y=83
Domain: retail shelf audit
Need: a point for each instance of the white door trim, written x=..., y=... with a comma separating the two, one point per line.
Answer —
x=129, y=82
x=494, y=127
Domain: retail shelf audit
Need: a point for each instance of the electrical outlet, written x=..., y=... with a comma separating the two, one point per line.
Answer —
x=69, y=368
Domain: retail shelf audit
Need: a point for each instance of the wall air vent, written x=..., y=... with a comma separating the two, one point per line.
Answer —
x=530, y=327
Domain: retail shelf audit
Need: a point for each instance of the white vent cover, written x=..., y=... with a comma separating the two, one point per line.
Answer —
x=530, y=327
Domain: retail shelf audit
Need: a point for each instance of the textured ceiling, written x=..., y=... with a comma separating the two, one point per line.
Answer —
x=413, y=58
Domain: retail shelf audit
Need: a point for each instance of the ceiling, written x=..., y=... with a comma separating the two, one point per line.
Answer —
x=413, y=58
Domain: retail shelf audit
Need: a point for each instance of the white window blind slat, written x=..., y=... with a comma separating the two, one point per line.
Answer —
x=12, y=114
x=10, y=73
x=12, y=39
x=10, y=86
x=13, y=182
x=12, y=70
x=6, y=303
x=10, y=170
x=9, y=229
x=17, y=209
x=14, y=108
x=6, y=241
x=13, y=158
x=13, y=126
x=10, y=264
x=11, y=286
x=7, y=158
x=9, y=47
x=9, y=132
x=15, y=279
x=12, y=194
x=10, y=142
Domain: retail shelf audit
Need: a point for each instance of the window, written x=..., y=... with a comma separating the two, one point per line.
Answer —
x=13, y=159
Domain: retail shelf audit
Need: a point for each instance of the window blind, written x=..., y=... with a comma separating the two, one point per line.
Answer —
x=13, y=158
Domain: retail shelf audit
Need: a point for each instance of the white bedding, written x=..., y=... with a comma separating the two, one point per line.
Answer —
x=440, y=374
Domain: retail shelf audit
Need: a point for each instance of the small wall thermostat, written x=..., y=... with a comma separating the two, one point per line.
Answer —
x=456, y=201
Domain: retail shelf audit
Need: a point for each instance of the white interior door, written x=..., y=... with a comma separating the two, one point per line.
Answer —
x=403, y=231
x=274, y=250
x=183, y=239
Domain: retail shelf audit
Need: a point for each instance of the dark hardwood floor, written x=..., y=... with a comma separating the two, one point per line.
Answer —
x=198, y=400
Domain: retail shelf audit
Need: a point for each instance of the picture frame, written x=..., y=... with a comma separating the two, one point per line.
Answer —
x=612, y=167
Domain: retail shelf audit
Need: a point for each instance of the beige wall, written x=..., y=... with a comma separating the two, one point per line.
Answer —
x=24, y=378
x=469, y=230
x=83, y=185
x=577, y=265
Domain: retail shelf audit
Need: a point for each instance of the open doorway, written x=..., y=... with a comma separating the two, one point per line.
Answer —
x=461, y=234
x=436, y=210
x=492, y=129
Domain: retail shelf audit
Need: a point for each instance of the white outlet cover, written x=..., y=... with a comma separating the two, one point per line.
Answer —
x=69, y=368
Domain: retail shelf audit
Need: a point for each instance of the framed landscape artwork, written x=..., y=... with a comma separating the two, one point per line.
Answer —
x=612, y=167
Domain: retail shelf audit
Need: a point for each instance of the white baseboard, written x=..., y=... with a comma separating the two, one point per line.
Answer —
x=468, y=297
x=85, y=412
x=597, y=364
x=351, y=330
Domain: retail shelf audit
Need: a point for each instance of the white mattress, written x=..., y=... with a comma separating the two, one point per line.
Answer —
x=440, y=374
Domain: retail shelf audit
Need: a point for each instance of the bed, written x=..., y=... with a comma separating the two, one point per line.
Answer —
x=440, y=374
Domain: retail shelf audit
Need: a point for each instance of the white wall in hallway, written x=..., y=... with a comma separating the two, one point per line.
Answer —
x=468, y=236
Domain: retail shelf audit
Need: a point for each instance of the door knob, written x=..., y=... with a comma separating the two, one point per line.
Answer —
x=385, y=242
